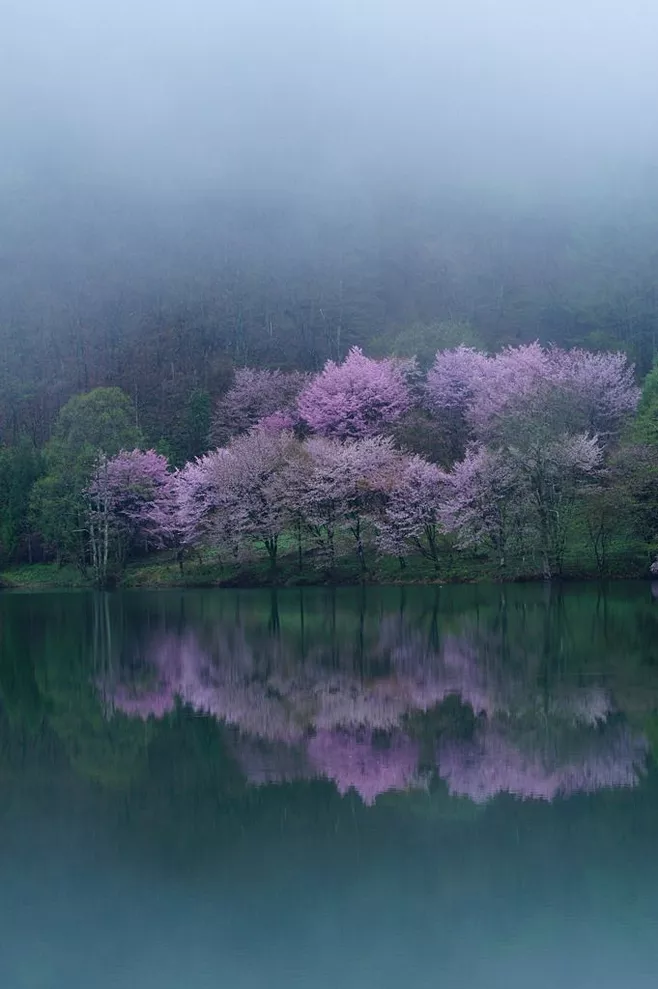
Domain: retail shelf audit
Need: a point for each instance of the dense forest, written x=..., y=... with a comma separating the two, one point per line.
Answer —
x=165, y=303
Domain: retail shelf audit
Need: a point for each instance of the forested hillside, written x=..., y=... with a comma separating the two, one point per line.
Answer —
x=164, y=303
x=202, y=331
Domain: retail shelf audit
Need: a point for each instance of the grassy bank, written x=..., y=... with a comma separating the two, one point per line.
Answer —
x=41, y=577
x=162, y=570
x=209, y=570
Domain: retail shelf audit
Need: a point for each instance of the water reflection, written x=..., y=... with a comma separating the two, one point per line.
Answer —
x=377, y=700
x=144, y=843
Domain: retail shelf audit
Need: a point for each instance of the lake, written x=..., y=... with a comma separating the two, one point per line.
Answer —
x=392, y=787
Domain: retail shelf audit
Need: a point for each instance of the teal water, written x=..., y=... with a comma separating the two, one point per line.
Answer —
x=409, y=787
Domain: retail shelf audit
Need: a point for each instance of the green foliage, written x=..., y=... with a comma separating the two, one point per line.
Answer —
x=422, y=340
x=441, y=440
x=20, y=466
x=102, y=420
x=634, y=473
x=191, y=436
x=39, y=576
x=646, y=424
x=165, y=449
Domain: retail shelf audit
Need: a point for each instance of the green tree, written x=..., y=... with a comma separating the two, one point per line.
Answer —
x=646, y=423
x=422, y=340
x=100, y=421
x=191, y=437
x=20, y=466
x=637, y=466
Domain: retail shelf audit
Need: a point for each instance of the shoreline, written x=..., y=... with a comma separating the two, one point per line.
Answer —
x=162, y=575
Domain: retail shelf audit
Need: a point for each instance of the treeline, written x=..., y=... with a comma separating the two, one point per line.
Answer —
x=511, y=456
x=166, y=316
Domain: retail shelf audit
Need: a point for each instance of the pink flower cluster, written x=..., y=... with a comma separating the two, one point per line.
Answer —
x=599, y=387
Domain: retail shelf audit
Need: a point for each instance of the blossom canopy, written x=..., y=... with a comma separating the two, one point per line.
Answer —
x=357, y=398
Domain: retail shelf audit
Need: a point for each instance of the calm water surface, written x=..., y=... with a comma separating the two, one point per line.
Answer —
x=400, y=787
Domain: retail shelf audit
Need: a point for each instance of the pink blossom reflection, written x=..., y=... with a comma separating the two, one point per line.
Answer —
x=355, y=762
x=294, y=721
x=492, y=764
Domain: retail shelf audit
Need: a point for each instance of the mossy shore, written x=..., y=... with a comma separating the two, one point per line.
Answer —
x=207, y=570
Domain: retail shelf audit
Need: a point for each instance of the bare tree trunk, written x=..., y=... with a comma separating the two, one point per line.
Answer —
x=300, y=558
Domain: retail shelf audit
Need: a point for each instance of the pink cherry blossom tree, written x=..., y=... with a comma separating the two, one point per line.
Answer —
x=256, y=394
x=252, y=491
x=359, y=398
x=456, y=377
x=412, y=518
x=197, y=498
x=368, y=468
x=524, y=490
x=345, y=486
x=514, y=376
x=278, y=422
x=131, y=501
x=485, y=500
x=553, y=472
x=543, y=418
x=601, y=387
x=319, y=492
x=593, y=392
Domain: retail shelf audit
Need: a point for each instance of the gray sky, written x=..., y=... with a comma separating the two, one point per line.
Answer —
x=328, y=97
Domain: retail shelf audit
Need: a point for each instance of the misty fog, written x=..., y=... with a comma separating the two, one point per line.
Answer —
x=328, y=97
x=337, y=166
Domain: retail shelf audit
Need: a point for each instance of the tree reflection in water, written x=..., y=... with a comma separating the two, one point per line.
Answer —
x=395, y=704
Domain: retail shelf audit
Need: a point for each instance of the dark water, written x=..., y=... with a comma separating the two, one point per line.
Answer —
x=401, y=787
